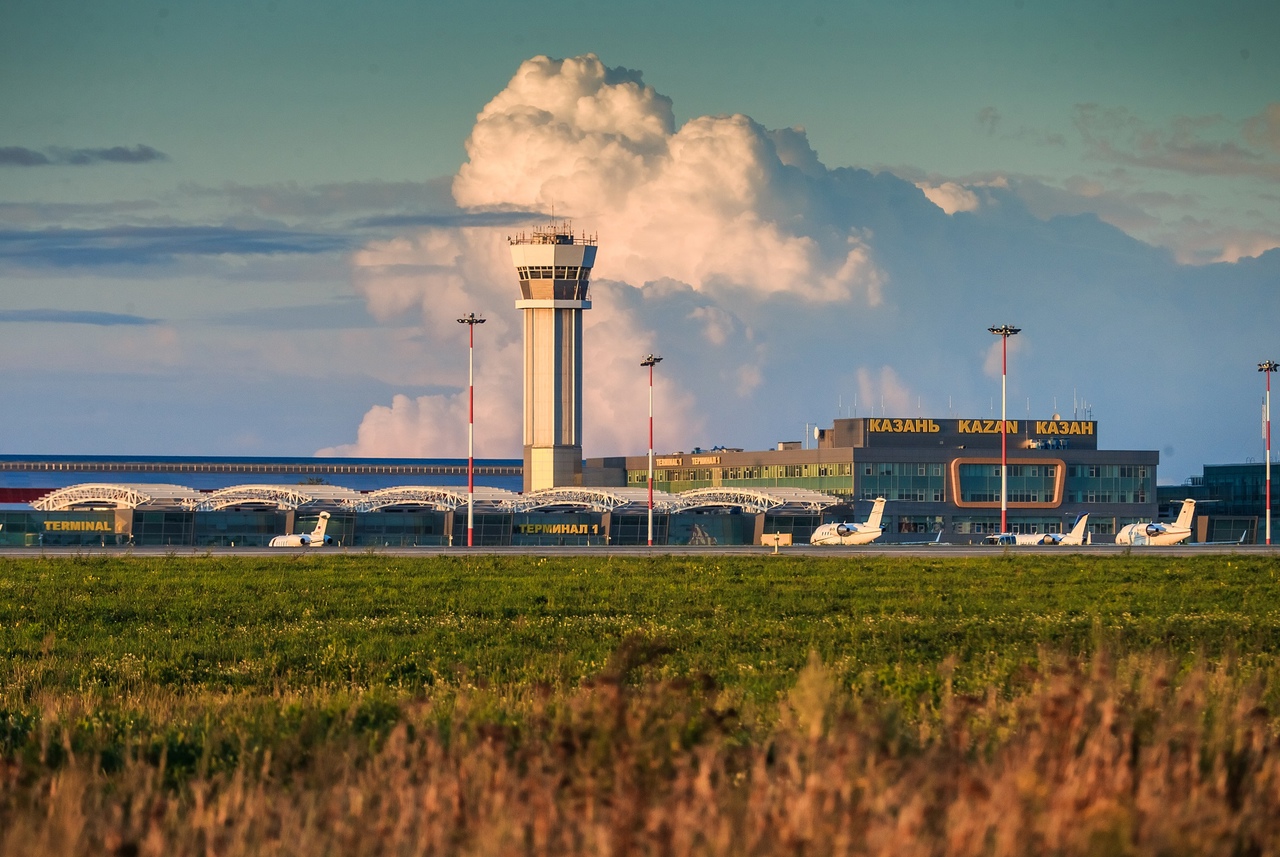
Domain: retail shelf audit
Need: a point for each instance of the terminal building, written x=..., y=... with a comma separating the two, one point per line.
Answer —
x=1231, y=502
x=940, y=476
x=192, y=502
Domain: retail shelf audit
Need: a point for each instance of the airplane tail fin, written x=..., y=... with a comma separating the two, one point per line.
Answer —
x=318, y=533
x=877, y=512
x=1077, y=532
x=1184, y=517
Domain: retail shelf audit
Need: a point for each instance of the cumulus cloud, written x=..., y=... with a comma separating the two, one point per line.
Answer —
x=776, y=288
x=950, y=196
x=711, y=204
x=885, y=392
x=690, y=219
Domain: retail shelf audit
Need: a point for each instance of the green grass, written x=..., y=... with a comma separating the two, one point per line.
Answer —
x=210, y=669
x=121, y=625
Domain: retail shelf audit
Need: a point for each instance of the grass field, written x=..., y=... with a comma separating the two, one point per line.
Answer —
x=601, y=687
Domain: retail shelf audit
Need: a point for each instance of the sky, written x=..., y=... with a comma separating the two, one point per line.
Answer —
x=249, y=228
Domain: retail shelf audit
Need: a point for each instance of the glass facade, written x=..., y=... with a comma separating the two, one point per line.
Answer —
x=1110, y=483
x=1028, y=483
x=403, y=529
x=831, y=478
x=921, y=482
x=33, y=529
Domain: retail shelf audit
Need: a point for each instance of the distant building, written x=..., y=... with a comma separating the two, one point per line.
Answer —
x=1231, y=502
x=939, y=475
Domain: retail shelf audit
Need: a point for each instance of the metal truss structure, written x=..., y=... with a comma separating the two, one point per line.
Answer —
x=443, y=499
x=756, y=501
x=279, y=496
x=595, y=499
x=109, y=495
x=439, y=498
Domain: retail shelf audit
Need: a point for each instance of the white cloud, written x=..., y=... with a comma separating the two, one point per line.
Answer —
x=700, y=205
x=885, y=392
x=950, y=196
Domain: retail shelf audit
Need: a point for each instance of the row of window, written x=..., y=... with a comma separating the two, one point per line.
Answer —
x=557, y=272
x=153, y=467
x=734, y=474
x=1107, y=471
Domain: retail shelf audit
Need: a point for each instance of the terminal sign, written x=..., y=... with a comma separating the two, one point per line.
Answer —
x=1063, y=427
x=903, y=426
x=79, y=526
x=922, y=426
x=986, y=426
x=558, y=529
x=668, y=462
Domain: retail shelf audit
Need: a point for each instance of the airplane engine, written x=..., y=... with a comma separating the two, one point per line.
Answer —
x=1154, y=529
x=842, y=530
x=305, y=541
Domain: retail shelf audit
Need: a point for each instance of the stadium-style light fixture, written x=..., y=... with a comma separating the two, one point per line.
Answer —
x=650, y=361
x=1267, y=367
x=471, y=320
x=1004, y=331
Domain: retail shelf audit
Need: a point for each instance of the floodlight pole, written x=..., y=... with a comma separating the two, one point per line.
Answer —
x=1267, y=368
x=471, y=320
x=1004, y=332
x=650, y=361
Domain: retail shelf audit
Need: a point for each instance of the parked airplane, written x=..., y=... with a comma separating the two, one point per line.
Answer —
x=1077, y=536
x=1151, y=533
x=316, y=538
x=851, y=534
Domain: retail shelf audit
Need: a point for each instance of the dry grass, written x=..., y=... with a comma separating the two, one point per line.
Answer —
x=1105, y=757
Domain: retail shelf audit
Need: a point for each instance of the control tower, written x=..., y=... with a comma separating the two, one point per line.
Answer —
x=554, y=267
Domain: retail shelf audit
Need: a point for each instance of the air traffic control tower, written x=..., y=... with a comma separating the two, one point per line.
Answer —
x=554, y=268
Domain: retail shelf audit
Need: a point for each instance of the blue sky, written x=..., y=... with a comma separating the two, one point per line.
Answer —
x=230, y=228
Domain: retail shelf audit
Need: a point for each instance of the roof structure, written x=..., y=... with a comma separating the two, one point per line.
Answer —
x=442, y=499
x=756, y=500
x=279, y=496
x=113, y=496
x=596, y=499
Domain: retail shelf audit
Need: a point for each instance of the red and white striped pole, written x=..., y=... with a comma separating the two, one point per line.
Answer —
x=651, y=361
x=1004, y=332
x=471, y=320
x=1267, y=368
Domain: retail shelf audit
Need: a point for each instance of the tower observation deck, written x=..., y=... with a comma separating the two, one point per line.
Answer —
x=554, y=267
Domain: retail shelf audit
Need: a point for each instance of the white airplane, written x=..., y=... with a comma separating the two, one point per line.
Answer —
x=1075, y=537
x=1151, y=533
x=315, y=539
x=851, y=534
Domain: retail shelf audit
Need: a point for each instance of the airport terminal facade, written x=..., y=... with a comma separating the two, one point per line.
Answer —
x=940, y=476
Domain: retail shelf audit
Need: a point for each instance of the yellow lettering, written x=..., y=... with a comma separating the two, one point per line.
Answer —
x=1088, y=428
x=962, y=427
x=934, y=427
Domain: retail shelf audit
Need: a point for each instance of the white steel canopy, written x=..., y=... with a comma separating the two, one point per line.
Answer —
x=279, y=496
x=596, y=499
x=440, y=498
x=756, y=500
x=102, y=494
